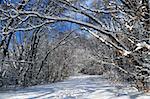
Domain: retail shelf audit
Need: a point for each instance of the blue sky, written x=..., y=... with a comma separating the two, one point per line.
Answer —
x=62, y=26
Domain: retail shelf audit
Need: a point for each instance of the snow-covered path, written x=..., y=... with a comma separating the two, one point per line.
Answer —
x=76, y=87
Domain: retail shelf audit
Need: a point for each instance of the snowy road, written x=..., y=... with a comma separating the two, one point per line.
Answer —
x=76, y=87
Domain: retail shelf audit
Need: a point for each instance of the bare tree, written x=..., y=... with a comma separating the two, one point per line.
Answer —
x=122, y=25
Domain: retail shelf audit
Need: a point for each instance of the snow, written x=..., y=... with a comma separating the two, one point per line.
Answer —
x=77, y=87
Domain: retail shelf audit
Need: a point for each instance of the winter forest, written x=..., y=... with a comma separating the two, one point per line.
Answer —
x=48, y=41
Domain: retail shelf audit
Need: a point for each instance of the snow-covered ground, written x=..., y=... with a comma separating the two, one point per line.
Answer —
x=77, y=87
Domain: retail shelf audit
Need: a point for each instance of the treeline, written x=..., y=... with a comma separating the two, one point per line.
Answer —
x=116, y=41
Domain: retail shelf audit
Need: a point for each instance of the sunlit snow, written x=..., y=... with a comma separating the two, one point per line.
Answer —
x=77, y=87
